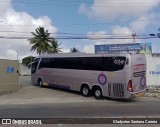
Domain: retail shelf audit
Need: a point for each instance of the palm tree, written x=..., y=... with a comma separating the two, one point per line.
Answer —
x=41, y=41
x=55, y=46
x=74, y=50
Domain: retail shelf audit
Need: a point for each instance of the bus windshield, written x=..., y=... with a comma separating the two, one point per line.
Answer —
x=34, y=65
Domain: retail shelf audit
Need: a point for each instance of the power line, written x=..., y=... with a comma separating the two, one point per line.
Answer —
x=120, y=22
x=80, y=38
x=73, y=35
x=76, y=34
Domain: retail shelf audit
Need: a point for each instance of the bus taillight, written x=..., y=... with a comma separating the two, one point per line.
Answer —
x=130, y=88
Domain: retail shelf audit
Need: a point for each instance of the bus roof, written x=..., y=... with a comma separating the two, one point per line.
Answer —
x=80, y=55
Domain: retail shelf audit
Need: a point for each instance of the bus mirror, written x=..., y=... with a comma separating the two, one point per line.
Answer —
x=30, y=65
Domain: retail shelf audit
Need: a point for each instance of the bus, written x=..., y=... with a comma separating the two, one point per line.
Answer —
x=117, y=76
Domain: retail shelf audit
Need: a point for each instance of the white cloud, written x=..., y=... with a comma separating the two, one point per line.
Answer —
x=113, y=9
x=100, y=37
x=88, y=49
x=24, y=24
x=11, y=54
x=116, y=31
x=97, y=35
x=143, y=22
x=65, y=50
x=4, y=5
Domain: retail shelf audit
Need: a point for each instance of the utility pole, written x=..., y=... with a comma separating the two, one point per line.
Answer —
x=134, y=37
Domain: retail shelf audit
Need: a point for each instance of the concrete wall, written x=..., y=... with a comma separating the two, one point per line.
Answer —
x=153, y=69
x=24, y=70
x=9, y=75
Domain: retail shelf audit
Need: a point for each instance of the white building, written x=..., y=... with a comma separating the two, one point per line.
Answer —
x=24, y=70
x=153, y=69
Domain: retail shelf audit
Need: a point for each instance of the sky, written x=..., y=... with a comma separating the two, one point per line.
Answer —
x=91, y=20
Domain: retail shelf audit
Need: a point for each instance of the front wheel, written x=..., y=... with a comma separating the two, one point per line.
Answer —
x=98, y=93
x=40, y=83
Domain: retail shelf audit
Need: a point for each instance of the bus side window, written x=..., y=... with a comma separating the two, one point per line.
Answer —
x=52, y=63
x=45, y=63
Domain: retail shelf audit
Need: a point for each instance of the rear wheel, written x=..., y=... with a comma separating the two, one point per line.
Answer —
x=97, y=93
x=85, y=91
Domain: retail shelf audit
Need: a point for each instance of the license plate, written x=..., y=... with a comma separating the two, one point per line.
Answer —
x=139, y=94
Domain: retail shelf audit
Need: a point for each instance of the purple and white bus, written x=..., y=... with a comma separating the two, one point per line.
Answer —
x=117, y=76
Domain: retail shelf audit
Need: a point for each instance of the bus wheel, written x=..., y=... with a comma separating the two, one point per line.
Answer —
x=40, y=83
x=85, y=91
x=98, y=93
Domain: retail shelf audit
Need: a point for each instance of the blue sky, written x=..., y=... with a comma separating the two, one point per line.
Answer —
x=87, y=18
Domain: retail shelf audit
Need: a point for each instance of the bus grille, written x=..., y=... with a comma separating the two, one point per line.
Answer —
x=118, y=90
x=139, y=74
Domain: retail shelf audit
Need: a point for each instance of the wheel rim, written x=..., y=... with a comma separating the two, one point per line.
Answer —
x=85, y=91
x=97, y=93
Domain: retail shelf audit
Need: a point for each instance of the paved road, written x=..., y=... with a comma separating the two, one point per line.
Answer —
x=34, y=102
x=103, y=108
x=134, y=109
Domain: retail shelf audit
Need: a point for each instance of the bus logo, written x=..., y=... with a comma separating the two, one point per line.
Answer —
x=102, y=79
x=143, y=82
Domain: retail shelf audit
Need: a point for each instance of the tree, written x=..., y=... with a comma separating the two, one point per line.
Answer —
x=27, y=60
x=55, y=46
x=74, y=50
x=42, y=42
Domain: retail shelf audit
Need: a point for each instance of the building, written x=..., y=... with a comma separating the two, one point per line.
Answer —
x=153, y=69
x=9, y=75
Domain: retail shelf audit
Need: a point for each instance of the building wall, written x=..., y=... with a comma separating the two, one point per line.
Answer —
x=9, y=75
x=24, y=70
x=153, y=69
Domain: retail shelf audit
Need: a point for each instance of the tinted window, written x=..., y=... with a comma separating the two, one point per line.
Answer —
x=45, y=63
x=85, y=63
x=114, y=63
x=88, y=63
x=67, y=63
x=92, y=63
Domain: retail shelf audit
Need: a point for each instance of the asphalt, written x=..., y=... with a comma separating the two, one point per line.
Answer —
x=29, y=94
x=29, y=100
